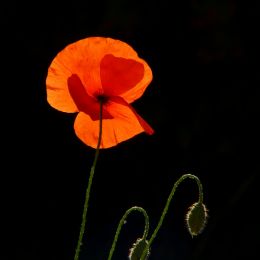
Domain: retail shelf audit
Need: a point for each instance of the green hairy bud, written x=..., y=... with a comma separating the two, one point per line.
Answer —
x=196, y=218
x=138, y=248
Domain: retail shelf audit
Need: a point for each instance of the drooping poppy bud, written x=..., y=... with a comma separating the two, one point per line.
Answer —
x=138, y=248
x=196, y=218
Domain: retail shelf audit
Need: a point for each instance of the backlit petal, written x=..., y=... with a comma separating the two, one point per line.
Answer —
x=83, y=101
x=84, y=58
x=124, y=125
x=118, y=75
x=137, y=91
x=58, y=95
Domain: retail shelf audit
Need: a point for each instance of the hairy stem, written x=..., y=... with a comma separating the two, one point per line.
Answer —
x=176, y=184
x=121, y=223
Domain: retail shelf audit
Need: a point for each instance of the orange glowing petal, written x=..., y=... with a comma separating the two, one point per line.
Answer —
x=83, y=101
x=118, y=75
x=124, y=125
x=84, y=59
x=58, y=95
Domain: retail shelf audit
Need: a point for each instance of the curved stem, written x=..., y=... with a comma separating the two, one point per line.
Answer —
x=92, y=171
x=181, y=179
x=121, y=223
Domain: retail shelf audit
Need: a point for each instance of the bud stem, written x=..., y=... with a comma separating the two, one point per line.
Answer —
x=181, y=179
x=121, y=223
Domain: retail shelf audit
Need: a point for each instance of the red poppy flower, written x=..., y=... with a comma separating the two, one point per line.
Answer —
x=94, y=68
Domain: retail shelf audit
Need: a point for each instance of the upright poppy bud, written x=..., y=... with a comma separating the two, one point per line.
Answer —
x=196, y=218
x=138, y=248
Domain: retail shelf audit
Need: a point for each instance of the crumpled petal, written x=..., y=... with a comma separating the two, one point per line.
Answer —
x=125, y=124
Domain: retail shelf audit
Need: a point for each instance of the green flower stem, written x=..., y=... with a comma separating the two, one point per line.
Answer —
x=181, y=179
x=92, y=171
x=121, y=223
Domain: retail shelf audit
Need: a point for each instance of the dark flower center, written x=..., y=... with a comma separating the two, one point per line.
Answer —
x=102, y=98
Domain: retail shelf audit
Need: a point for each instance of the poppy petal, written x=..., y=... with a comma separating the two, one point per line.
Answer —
x=118, y=100
x=124, y=125
x=147, y=128
x=84, y=58
x=118, y=75
x=137, y=91
x=58, y=95
x=83, y=101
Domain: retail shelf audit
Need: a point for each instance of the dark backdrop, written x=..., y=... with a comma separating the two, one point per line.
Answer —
x=203, y=104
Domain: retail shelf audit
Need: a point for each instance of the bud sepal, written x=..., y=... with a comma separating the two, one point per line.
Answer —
x=196, y=218
x=138, y=248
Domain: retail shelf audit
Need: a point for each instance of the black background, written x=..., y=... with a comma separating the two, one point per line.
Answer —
x=203, y=104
